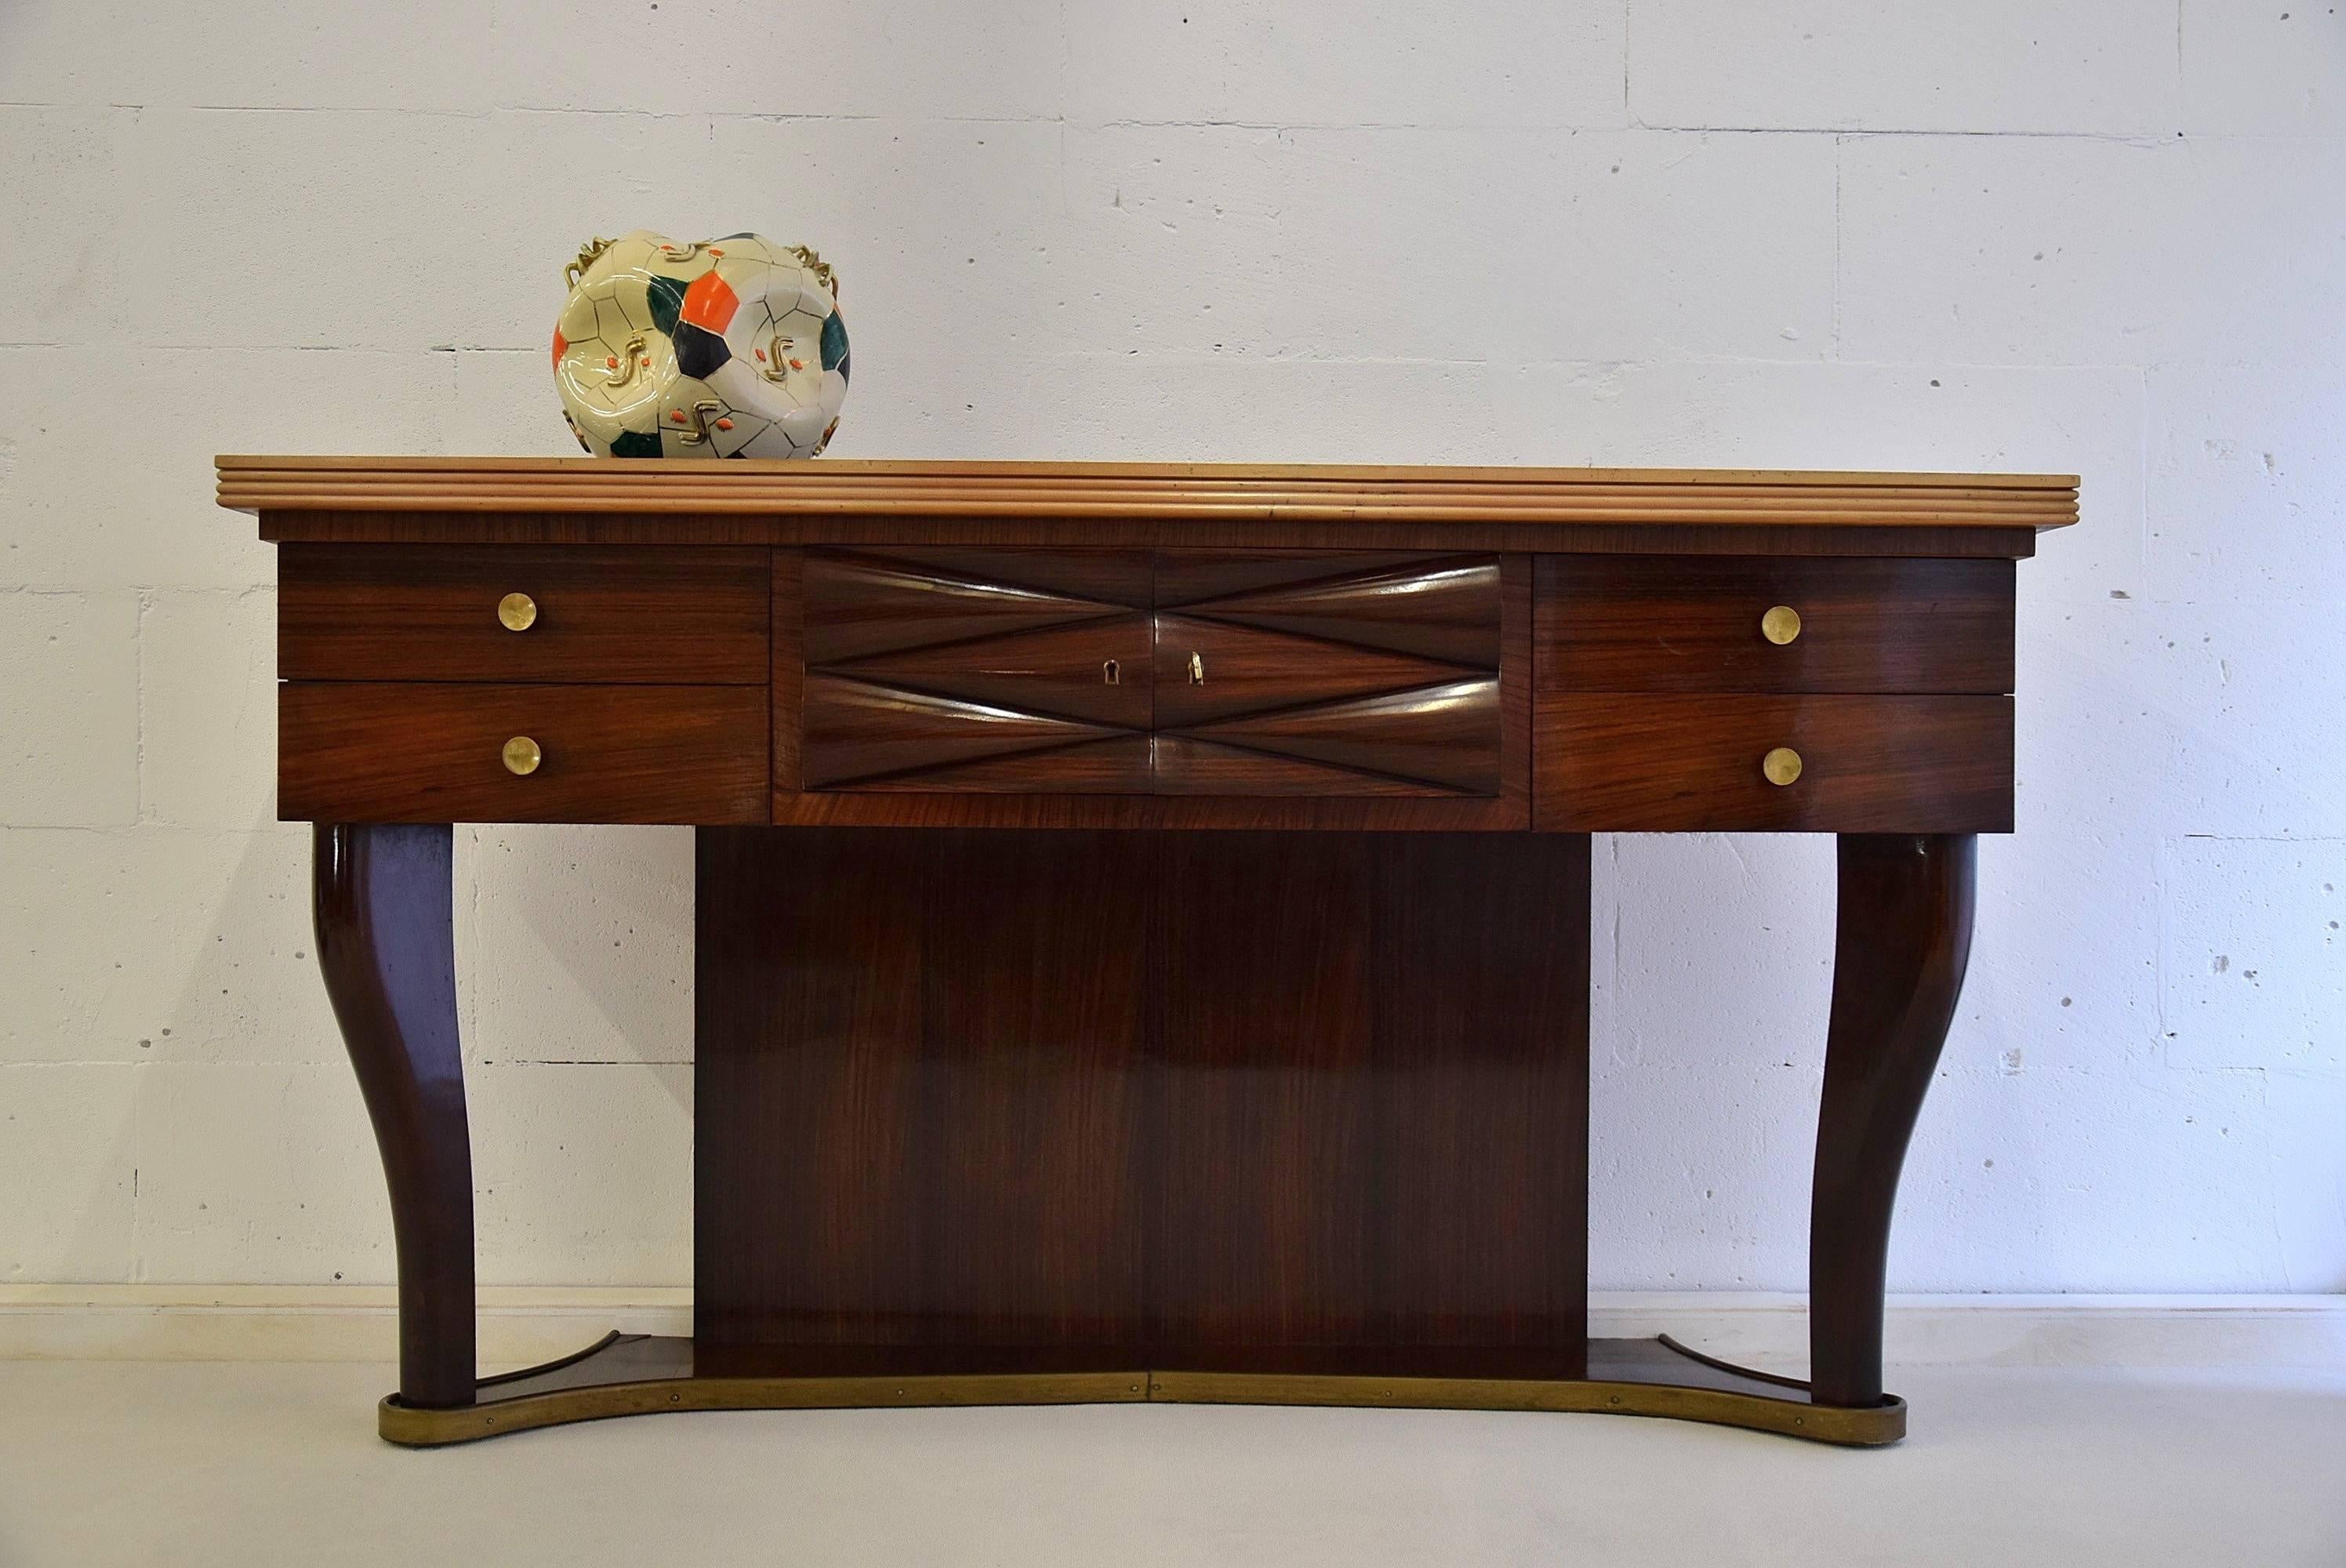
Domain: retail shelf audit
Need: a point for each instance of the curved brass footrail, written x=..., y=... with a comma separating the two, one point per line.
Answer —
x=633, y=1375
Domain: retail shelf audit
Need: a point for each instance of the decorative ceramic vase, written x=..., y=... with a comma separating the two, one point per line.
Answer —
x=721, y=348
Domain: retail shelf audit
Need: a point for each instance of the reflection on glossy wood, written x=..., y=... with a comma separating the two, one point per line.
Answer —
x=372, y=612
x=382, y=752
x=1445, y=736
x=1649, y=763
x=858, y=733
x=1668, y=623
x=857, y=606
x=1446, y=610
x=386, y=948
x=1904, y=938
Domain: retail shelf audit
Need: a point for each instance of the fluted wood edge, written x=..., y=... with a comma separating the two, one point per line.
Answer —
x=1163, y=491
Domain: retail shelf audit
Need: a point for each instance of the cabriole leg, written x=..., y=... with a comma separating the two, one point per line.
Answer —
x=387, y=948
x=1903, y=935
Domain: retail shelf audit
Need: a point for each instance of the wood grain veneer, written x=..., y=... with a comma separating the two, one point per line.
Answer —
x=375, y=611
x=1670, y=624
x=1641, y=762
x=366, y=752
x=1222, y=1090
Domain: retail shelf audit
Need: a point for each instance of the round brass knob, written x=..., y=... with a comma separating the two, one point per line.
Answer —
x=517, y=611
x=1781, y=766
x=522, y=755
x=1781, y=624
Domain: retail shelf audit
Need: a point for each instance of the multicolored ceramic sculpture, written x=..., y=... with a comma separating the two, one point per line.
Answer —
x=721, y=348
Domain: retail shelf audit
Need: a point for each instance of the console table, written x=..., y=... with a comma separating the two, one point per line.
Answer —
x=1142, y=912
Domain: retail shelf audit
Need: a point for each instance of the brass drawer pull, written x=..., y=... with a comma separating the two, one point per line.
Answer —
x=518, y=612
x=1197, y=669
x=522, y=755
x=1781, y=766
x=1781, y=624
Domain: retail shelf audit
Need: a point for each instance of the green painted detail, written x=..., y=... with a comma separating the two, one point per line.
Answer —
x=636, y=444
x=666, y=296
x=834, y=343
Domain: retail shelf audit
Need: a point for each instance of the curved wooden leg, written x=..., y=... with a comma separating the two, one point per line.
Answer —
x=386, y=944
x=1902, y=937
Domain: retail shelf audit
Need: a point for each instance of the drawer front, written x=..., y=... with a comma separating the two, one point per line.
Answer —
x=1186, y=673
x=976, y=671
x=395, y=612
x=1633, y=623
x=1284, y=674
x=360, y=752
x=1618, y=762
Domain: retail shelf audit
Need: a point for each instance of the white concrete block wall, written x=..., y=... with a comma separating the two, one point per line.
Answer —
x=2088, y=235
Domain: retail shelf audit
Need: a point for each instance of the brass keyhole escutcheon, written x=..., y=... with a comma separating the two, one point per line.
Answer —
x=1197, y=669
x=1111, y=673
x=1781, y=766
x=1781, y=624
x=517, y=612
x=522, y=755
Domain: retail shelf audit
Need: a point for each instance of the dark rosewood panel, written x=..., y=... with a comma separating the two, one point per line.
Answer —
x=1368, y=1113
x=1902, y=941
x=373, y=612
x=1152, y=1091
x=1640, y=762
x=918, y=1074
x=379, y=752
x=1633, y=623
x=382, y=900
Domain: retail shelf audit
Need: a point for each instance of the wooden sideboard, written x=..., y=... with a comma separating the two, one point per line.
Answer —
x=1142, y=910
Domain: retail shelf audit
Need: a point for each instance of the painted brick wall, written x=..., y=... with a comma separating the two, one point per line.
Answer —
x=2089, y=235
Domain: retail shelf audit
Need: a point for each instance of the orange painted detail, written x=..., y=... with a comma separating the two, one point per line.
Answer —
x=613, y=362
x=725, y=424
x=714, y=251
x=759, y=352
x=798, y=364
x=558, y=346
x=710, y=302
x=676, y=414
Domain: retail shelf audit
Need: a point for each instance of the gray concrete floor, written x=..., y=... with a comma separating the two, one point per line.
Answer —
x=196, y=1464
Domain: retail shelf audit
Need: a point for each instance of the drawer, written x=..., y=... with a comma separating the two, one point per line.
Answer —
x=396, y=612
x=1621, y=762
x=1631, y=623
x=1234, y=673
x=360, y=752
x=1289, y=674
x=983, y=671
